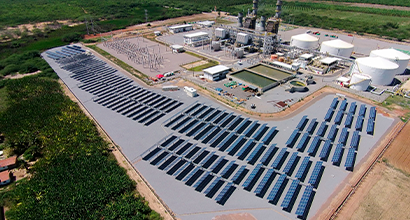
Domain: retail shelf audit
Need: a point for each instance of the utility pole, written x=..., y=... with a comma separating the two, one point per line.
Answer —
x=146, y=15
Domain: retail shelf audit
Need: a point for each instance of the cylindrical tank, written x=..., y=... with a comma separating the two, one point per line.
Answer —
x=239, y=53
x=337, y=47
x=395, y=56
x=360, y=82
x=281, y=59
x=220, y=32
x=263, y=23
x=381, y=70
x=240, y=19
x=274, y=57
x=304, y=41
x=216, y=46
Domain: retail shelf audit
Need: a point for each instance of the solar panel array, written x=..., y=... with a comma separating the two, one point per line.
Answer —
x=355, y=139
x=304, y=202
x=303, y=168
x=278, y=185
x=115, y=91
x=292, y=137
x=339, y=117
x=290, y=194
x=350, y=158
x=290, y=163
x=303, y=141
x=313, y=180
x=301, y=122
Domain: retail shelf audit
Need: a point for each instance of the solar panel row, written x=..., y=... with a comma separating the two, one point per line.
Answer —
x=292, y=137
x=362, y=110
x=329, y=114
x=279, y=158
x=315, y=174
x=303, y=204
x=303, y=141
x=302, y=169
x=334, y=104
x=350, y=158
x=301, y=122
x=290, y=194
x=312, y=126
x=290, y=163
x=278, y=185
x=343, y=105
x=322, y=129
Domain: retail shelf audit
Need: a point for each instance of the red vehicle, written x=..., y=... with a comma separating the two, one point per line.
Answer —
x=316, y=32
x=350, y=35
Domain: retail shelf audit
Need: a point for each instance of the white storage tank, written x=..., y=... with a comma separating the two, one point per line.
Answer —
x=393, y=55
x=304, y=41
x=360, y=82
x=381, y=70
x=242, y=38
x=221, y=33
x=337, y=47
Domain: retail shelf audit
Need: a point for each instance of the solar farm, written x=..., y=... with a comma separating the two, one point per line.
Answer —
x=201, y=157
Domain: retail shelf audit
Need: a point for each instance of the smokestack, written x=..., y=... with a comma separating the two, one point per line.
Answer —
x=240, y=19
x=255, y=8
x=278, y=9
x=263, y=23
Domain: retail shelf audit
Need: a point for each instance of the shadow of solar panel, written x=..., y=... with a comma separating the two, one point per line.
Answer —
x=167, y=162
x=203, y=182
x=219, y=165
x=277, y=189
x=227, y=172
x=192, y=152
x=159, y=158
x=152, y=153
x=185, y=171
x=176, y=167
x=226, y=192
x=303, y=169
x=290, y=166
x=239, y=175
x=210, y=161
x=194, y=177
x=227, y=141
x=211, y=135
x=277, y=163
x=256, y=153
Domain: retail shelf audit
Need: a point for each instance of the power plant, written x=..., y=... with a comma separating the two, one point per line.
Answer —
x=271, y=25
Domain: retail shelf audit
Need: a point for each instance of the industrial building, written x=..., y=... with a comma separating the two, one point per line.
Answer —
x=196, y=39
x=216, y=73
x=304, y=41
x=177, y=48
x=382, y=71
x=180, y=28
x=205, y=24
x=360, y=82
x=395, y=56
x=337, y=48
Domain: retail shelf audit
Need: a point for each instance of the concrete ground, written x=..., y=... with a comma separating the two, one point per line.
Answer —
x=135, y=141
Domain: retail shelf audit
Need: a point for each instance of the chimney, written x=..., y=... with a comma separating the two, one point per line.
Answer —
x=240, y=19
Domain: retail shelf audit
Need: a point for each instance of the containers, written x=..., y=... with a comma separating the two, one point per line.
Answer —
x=273, y=57
x=360, y=82
x=242, y=38
x=337, y=48
x=395, y=56
x=382, y=71
x=304, y=41
x=221, y=33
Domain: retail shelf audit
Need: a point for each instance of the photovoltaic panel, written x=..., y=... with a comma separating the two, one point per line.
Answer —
x=219, y=165
x=312, y=126
x=178, y=168
x=159, y=158
x=355, y=139
x=337, y=155
x=251, y=129
x=194, y=177
x=352, y=108
x=329, y=114
x=152, y=153
x=370, y=126
x=264, y=180
x=343, y=136
x=349, y=120
x=215, y=189
x=290, y=194
x=290, y=163
x=183, y=171
x=252, y=175
x=313, y=146
x=359, y=123
x=236, y=145
x=203, y=182
x=209, y=161
x=372, y=114
x=350, y=158
x=334, y=104
x=332, y=133
x=279, y=158
x=362, y=110
x=277, y=187
x=315, y=174
x=343, y=105
x=322, y=129
x=302, y=168
x=191, y=174
x=269, y=136
x=267, y=157
x=292, y=137
x=227, y=172
x=325, y=150
x=339, y=117
x=301, y=122
x=259, y=132
x=245, y=147
x=240, y=174
x=212, y=185
x=303, y=141
x=256, y=153
x=225, y=193
x=303, y=204
x=201, y=179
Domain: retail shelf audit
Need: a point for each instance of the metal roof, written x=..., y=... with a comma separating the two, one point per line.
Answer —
x=197, y=34
x=329, y=60
x=392, y=54
x=338, y=44
x=216, y=69
x=180, y=26
x=305, y=37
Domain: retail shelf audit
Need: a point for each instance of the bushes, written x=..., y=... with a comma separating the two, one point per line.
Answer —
x=71, y=37
x=23, y=63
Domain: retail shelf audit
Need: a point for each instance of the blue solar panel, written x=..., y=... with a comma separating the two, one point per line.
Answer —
x=300, y=211
x=277, y=187
x=350, y=158
x=292, y=137
x=359, y=123
x=311, y=127
x=362, y=110
x=325, y=150
x=227, y=168
x=290, y=163
x=252, y=175
x=329, y=114
x=352, y=108
x=301, y=122
x=349, y=120
x=290, y=194
x=315, y=174
x=250, y=128
x=343, y=136
x=245, y=147
x=241, y=125
x=334, y=103
x=337, y=155
x=332, y=133
x=185, y=165
x=279, y=158
x=238, y=174
x=302, y=168
x=372, y=114
x=355, y=139
x=268, y=137
x=261, y=128
x=264, y=180
x=343, y=105
x=255, y=153
x=228, y=189
x=339, y=117
x=268, y=155
x=217, y=163
x=235, y=143
x=302, y=141
x=370, y=126
x=220, y=145
x=321, y=131
x=201, y=179
x=315, y=143
x=212, y=185
x=191, y=174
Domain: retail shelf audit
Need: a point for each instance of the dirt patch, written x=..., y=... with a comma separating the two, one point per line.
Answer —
x=398, y=153
x=364, y=5
x=236, y=216
x=192, y=65
x=18, y=76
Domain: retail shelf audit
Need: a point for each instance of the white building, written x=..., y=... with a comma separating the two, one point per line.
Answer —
x=206, y=23
x=304, y=41
x=180, y=28
x=216, y=73
x=382, y=71
x=393, y=55
x=196, y=39
x=190, y=91
x=337, y=48
x=177, y=48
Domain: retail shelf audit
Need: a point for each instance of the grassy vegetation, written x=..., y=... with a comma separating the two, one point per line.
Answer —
x=122, y=64
x=74, y=176
x=381, y=2
x=210, y=63
x=3, y=99
x=396, y=102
